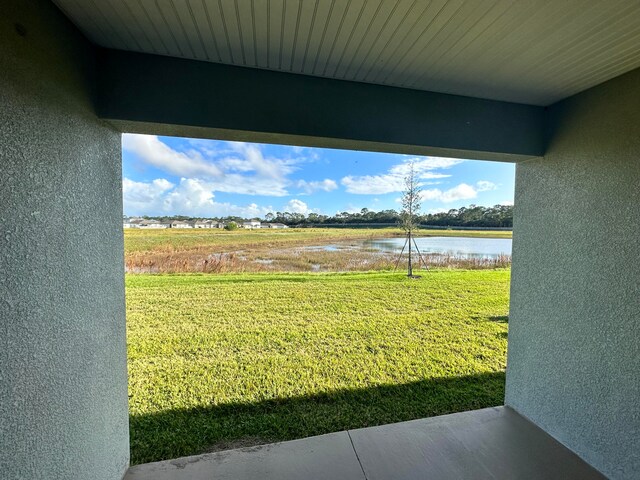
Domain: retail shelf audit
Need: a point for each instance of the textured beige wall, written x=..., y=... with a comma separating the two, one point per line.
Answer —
x=63, y=382
x=574, y=333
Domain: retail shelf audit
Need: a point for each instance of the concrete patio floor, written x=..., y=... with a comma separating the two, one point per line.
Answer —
x=493, y=443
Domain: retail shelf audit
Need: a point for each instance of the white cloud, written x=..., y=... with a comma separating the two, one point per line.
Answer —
x=297, y=206
x=326, y=185
x=352, y=209
x=507, y=203
x=251, y=185
x=424, y=164
x=138, y=195
x=238, y=167
x=394, y=179
x=191, y=197
x=249, y=158
x=308, y=152
x=380, y=184
x=152, y=151
x=462, y=191
x=459, y=192
x=485, y=185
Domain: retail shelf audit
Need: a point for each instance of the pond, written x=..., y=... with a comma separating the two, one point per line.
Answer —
x=460, y=247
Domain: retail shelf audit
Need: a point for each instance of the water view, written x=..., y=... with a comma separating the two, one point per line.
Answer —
x=459, y=247
x=309, y=250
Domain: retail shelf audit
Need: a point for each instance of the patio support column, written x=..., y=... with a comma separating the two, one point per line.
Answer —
x=574, y=327
x=63, y=382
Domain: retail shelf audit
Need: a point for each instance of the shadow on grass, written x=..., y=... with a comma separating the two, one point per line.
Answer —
x=176, y=433
x=500, y=319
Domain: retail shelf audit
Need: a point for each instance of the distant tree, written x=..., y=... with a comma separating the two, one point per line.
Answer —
x=471, y=216
x=410, y=209
x=231, y=226
x=314, y=218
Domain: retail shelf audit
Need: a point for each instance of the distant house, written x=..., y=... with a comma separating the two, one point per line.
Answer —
x=218, y=225
x=151, y=224
x=136, y=222
x=131, y=222
x=273, y=225
x=180, y=224
x=251, y=224
x=204, y=224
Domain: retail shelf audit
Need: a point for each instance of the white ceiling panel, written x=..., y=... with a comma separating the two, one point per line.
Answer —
x=533, y=51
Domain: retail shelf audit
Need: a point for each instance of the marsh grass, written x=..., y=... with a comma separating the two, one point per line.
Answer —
x=298, y=260
x=214, y=251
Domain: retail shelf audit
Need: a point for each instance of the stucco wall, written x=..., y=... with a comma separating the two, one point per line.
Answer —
x=574, y=333
x=63, y=383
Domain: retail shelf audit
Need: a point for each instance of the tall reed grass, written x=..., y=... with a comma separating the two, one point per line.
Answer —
x=295, y=260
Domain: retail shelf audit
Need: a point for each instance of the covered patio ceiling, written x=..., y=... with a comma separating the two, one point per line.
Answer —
x=534, y=52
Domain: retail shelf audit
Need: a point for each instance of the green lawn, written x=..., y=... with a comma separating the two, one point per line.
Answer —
x=218, y=361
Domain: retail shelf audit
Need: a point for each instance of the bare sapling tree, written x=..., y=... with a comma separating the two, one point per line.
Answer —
x=410, y=209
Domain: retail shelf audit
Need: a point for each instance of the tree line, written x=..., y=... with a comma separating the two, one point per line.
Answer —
x=471, y=216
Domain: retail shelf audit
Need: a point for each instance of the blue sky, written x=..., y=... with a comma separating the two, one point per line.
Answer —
x=210, y=178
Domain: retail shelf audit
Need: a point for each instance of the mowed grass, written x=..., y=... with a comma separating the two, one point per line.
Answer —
x=220, y=361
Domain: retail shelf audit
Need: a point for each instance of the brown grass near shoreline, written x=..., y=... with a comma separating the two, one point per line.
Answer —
x=346, y=258
x=290, y=250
